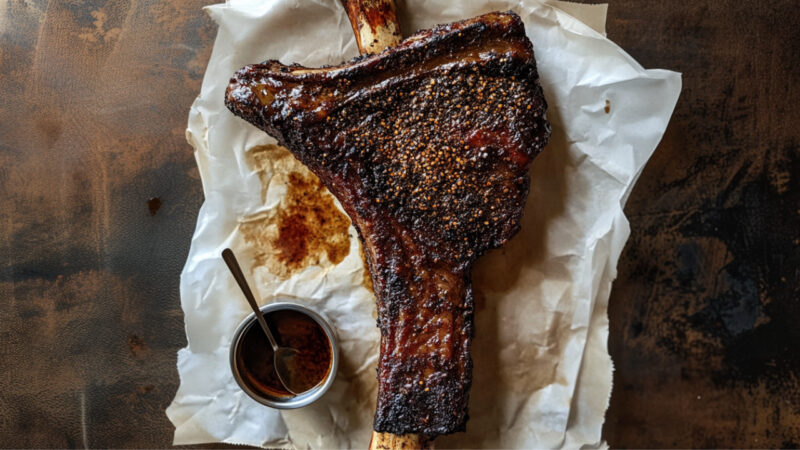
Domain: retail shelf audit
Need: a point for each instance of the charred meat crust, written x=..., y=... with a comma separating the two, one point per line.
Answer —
x=427, y=147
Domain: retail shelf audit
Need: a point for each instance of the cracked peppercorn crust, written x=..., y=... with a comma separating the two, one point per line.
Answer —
x=427, y=147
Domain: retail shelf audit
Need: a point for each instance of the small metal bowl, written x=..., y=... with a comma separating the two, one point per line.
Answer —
x=285, y=402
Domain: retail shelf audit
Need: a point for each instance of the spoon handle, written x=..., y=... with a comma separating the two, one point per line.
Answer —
x=238, y=275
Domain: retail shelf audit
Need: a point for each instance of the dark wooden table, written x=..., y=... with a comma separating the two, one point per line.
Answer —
x=705, y=313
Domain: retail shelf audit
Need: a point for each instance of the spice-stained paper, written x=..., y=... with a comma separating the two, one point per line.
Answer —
x=542, y=373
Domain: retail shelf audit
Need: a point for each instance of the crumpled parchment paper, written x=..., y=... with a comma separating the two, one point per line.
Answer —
x=542, y=375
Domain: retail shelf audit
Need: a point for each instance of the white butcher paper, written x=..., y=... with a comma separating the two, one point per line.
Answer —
x=542, y=375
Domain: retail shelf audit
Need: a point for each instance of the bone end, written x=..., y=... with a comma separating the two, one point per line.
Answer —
x=374, y=24
x=388, y=441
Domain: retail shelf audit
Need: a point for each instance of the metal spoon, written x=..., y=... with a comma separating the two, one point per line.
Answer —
x=284, y=356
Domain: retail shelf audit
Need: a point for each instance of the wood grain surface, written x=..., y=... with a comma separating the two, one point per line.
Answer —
x=94, y=97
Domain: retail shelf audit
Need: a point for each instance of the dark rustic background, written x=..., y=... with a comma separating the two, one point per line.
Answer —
x=93, y=104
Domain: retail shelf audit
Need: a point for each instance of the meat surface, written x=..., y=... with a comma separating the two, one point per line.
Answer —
x=427, y=146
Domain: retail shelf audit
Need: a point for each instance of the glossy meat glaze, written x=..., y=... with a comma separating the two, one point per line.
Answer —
x=427, y=147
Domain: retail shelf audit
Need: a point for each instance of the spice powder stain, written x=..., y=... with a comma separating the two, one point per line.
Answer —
x=305, y=229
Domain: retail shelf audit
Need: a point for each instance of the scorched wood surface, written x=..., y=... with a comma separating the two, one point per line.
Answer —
x=100, y=193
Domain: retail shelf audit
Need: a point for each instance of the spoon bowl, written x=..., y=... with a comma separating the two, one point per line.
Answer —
x=286, y=369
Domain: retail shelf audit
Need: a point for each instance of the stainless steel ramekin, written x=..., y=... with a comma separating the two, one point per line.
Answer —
x=286, y=402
